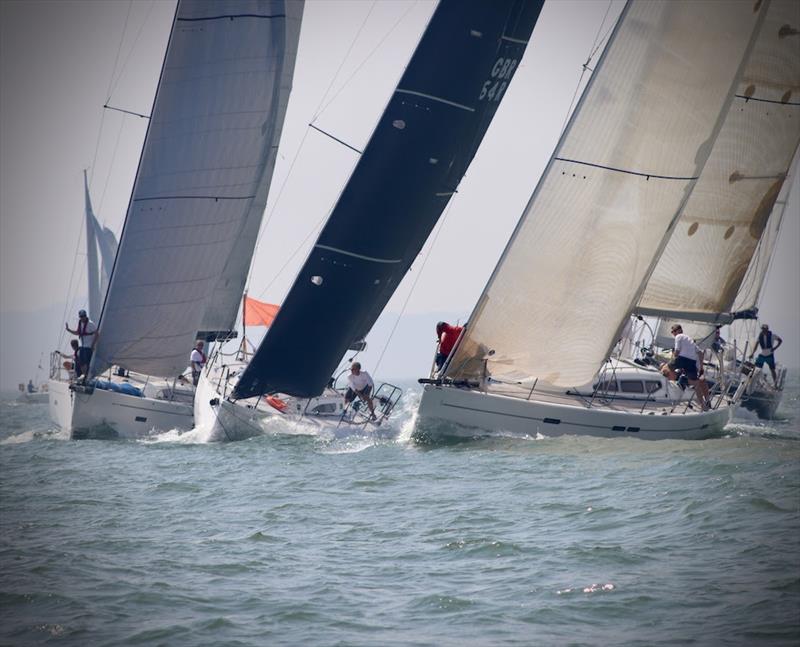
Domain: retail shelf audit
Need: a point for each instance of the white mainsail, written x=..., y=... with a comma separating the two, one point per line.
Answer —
x=102, y=238
x=621, y=174
x=703, y=266
x=95, y=296
x=202, y=181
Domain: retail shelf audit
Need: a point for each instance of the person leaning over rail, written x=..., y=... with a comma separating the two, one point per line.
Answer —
x=766, y=351
x=689, y=358
x=360, y=384
x=198, y=361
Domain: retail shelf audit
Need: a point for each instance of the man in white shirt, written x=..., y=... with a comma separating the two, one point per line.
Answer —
x=688, y=357
x=198, y=361
x=87, y=338
x=359, y=383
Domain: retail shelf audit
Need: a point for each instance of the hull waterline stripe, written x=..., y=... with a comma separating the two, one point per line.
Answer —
x=622, y=170
x=576, y=424
x=433, y=98
x=364, y=258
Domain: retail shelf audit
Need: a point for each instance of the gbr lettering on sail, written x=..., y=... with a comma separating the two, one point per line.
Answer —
x=502, y=71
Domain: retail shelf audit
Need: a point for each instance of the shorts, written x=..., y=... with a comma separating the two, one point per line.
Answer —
x=351, y=395
x=769, y=360
x=688, y=366
x=84, y=355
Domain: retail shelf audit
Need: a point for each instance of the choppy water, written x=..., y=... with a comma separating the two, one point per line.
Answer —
x=349, y=540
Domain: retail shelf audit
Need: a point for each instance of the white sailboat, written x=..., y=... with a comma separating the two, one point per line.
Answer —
x=406, y=175
x=194, y=213
x=596, y=225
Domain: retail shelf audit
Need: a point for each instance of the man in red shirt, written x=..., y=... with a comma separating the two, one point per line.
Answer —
x=448, y=336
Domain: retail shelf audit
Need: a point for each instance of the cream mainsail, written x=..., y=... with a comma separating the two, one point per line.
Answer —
x=705, y=262
x=611, y=194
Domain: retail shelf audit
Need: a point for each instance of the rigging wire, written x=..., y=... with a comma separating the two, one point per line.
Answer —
x=596, y=44
x=414, y=285
x=108, y=90
x=317, y=113
x=130, y=51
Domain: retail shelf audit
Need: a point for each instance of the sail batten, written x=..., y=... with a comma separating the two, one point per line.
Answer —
x=417, y=155
x=202, y=182
x=590, y=235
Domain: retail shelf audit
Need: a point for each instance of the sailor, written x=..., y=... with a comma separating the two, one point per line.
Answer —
x=688, y=357
x=87, y=339
x=359, y=383
x=31, y=388
x=718, y=343
x=198, y=361
x=448, y=336
x=766, y=351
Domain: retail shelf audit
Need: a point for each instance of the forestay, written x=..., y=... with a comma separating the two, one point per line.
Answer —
x=408, y=172
x=202, y=181
x=702, y=268
x=619, y=177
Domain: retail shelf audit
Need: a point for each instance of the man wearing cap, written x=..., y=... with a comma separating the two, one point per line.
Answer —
x=766, y=351
x=87, y=338
x=689, y=358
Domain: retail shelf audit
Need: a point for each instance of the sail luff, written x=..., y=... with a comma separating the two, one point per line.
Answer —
x=405, y=177
x=202, y=177
x=630, y=156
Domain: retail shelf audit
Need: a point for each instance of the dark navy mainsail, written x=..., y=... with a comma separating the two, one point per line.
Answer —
x=412, y=165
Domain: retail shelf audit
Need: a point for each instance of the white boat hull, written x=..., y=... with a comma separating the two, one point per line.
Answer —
x=450, y=412
x=220, y=420
x=110, y=414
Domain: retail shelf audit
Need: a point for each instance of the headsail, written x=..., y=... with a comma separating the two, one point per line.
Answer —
x=703, y=266
x=604, y=207
x=408, y=172
x=202, y=180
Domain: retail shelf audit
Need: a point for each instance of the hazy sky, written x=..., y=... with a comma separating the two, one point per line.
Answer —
x=61, y=61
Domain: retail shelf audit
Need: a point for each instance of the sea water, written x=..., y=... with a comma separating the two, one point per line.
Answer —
x=347, y=538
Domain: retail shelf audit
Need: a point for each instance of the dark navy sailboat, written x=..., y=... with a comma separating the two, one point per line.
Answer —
x=412, y=165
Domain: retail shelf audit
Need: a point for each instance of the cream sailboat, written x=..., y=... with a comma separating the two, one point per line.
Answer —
x=669, y=83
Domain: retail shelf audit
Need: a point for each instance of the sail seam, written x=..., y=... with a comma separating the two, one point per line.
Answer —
x=232, y=16
x=195, y=197
x=366, y=258
x=627, y=172
x=435, y=98
x=778, y=101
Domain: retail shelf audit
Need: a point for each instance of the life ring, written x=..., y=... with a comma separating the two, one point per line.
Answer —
x=276, y=403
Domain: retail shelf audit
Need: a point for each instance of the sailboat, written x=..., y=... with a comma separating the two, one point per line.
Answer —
x=196, y=206
x=593, y=231
x=713, y=268
x=406, y=175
